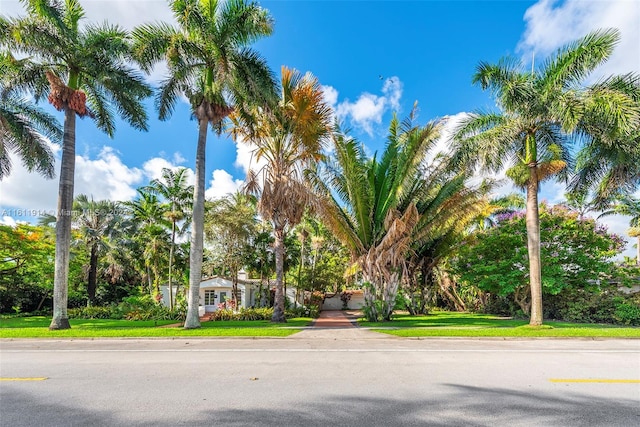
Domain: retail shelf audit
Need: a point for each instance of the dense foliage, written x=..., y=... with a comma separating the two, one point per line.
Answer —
x=578, y=256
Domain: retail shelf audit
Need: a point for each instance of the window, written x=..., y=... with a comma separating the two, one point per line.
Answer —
x=209, y=297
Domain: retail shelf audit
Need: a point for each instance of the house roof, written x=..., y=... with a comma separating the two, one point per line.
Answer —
x=223, y=282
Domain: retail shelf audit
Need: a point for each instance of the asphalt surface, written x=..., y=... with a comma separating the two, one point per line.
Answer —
x=320, y=377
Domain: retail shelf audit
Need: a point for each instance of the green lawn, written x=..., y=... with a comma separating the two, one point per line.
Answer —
x=451, y=324
x=37, y=327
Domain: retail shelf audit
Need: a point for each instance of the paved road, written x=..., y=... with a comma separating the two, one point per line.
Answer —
x=321, y=377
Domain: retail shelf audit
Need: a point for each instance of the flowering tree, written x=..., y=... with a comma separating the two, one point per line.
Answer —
x=577, y=253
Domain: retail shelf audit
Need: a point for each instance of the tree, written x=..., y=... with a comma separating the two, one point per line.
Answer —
x=609, y=163
x=578, y=253
x=289, y=141
x=370, y=206
x=149, y=215
x=23, y=131
x=230, y=225
x=543, y=113
x=88, y=76
x=174, y=189
x=630, y=206
x=209, y=62
x=97, y=222
x=447, y=206
x=26, y=272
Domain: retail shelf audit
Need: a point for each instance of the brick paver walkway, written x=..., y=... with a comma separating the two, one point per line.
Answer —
x=334, y=319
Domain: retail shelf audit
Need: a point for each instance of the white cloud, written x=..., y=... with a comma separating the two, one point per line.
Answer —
x=551, y=24
x=368, y=109
x=7, y=220
x=106, y=177
x=222, y=185
x=246, y=157
x=392, y=90
x=126, y=13
x=330, y=95
x=152, y=168
x=27, y=194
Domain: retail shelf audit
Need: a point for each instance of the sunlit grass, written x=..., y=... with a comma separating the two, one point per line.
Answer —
x=451, y=324
x=37, y=327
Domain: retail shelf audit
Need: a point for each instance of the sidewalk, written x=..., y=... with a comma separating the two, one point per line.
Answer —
x=337, y=325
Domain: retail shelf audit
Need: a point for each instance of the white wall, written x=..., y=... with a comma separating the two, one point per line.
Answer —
x=335, y=303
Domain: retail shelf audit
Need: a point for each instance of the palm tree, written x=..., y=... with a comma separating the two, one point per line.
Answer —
x=629, y=206
x=175, y=191
x=370, y=206
x=447, y=205
x=609, y=164
x=543, y=113
x=23, y=131
x=88, y=76
x=210, y=62
x=289, y=141
x=97, y=222
x=150, y=217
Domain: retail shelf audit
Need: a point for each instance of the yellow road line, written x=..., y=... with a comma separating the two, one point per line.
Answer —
x=591, y=380
x=23, y=379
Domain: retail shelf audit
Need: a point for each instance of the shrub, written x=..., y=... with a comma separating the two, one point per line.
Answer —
x=627, y=314
x=264, y=313
x=303, y=311
x=94, y=312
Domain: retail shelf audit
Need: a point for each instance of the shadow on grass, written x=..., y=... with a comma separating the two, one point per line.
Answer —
x=458, y=405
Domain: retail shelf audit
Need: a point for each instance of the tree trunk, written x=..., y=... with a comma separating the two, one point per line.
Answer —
x=638, y=252
x=197, y=230
x=390, y=291
x=278, y=303
x=93, y=275
x=149, y=278
x=60, y=318
x=173, y=242
x=533, y=247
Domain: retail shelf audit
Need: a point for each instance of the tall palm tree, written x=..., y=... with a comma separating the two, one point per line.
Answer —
x=543, y=113
x=288, y=140
x=629, y=206
x=369, y=204
x=84, y=71
x=210, y=62
x=174, y=190
x=97, y=222
x=23, y=131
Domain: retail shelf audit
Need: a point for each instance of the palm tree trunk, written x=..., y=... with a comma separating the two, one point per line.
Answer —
x=93, y=275
x=302, y=240
x=278, y=304
x=638, y=252
x=60, y=318
x=533, y=247
x=197, y=229
x=173, y=242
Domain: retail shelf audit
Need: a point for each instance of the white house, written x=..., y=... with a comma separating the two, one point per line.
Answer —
x=217, y=290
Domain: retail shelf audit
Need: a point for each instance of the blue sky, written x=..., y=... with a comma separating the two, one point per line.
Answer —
x=372, y=57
